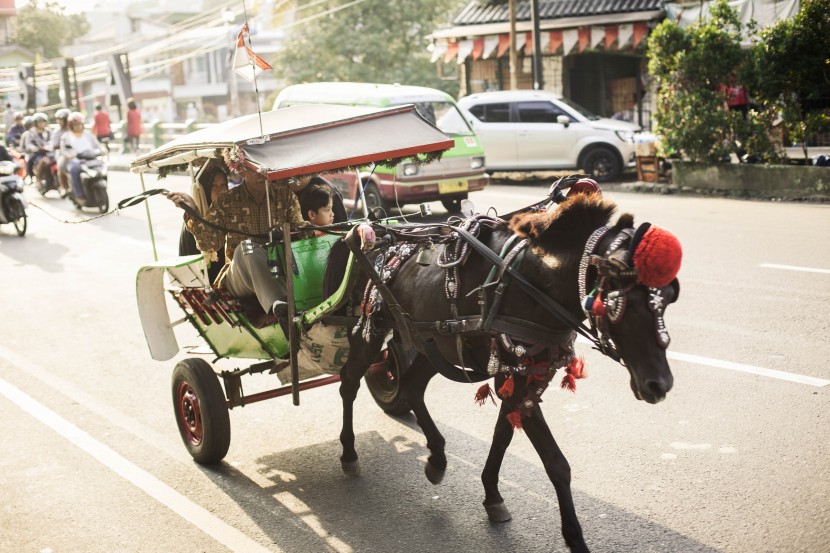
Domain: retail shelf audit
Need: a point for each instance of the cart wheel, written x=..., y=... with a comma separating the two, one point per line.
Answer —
x=201, y=413
x=385, y=385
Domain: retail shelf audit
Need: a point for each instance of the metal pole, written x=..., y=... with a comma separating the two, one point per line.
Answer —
x=538, y=78
x=514, y=62
x=292, y=328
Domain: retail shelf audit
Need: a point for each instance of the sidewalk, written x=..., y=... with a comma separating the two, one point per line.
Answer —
x=118, y=161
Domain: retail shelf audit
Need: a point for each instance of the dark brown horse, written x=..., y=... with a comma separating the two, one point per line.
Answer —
x=524, y=343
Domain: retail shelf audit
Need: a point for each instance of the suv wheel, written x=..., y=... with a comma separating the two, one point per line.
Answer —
x=602, y=164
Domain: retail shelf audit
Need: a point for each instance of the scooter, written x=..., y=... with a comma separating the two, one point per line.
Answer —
x=12, y=201
x=50, y=180
x=93, y=181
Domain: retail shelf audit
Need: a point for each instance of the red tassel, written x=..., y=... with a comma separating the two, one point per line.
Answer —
x=506, y=389
x=598, y=307
x=573, y=371
x=515, y=418
x=483, y=393
x=568, y=383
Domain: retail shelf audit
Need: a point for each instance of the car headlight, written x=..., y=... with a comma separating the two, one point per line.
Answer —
x=477, y=162
x=625, y=136
x=410, y=170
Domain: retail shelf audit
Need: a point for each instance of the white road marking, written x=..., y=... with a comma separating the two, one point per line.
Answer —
x=751, y=369
x=795, y=268
x=195, y=514
x=740, y=367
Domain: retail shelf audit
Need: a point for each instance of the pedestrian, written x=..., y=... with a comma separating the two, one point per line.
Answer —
x=8, y=118
x=14, y=132
x=102, y=127
x=133, y=125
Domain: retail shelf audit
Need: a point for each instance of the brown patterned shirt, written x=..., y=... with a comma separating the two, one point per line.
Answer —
x=237, y=209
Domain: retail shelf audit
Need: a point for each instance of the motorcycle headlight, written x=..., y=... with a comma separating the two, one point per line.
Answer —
x=410, y=170
x=477, y=162
x=625, y=136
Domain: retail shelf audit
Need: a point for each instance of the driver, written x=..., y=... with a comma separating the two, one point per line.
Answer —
x=246, y=272
x=36, y=144
x=60, y=116
x=73, y=142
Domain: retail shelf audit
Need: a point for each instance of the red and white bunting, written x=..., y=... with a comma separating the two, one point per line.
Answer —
x=465, y=48
x=245, y=62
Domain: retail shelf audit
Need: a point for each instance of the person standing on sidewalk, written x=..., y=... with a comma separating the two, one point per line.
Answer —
x=133, y=126
x=101, y=127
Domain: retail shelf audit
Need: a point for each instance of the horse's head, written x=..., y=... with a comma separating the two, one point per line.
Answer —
x=626, y=279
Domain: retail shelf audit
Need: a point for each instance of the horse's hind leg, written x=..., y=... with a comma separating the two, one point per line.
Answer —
x=502, y=436
x=414, y=382
x=559, y=472
x=361, y=355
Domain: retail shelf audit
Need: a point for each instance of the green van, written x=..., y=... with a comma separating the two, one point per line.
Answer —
x=459, y=171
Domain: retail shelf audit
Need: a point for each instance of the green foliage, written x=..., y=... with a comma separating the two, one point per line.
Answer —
x=380, y=41
x=691, y=67
x=792, y=69
x=45, y=28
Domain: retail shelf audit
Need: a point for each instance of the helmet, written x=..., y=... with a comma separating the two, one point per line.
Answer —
x=62, y=113
x=75, y=117
x=27, y=120
x=40, y=116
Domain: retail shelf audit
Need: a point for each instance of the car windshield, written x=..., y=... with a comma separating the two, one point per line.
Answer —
x=445, y=116
x=579, y=109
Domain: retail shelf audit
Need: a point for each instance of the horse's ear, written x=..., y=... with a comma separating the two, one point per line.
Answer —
x=625, y=221
x=530, y=225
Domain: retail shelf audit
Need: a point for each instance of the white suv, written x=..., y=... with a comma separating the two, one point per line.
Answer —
x=525, y=130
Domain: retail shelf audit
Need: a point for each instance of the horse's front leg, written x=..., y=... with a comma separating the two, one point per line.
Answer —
x=414, y=383
x=559, y=472
x=502, y=436
x=361, y=355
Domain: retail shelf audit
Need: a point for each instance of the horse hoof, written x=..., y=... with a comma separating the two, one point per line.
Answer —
x=434, y=475
x=498, y=512
x=351, y=468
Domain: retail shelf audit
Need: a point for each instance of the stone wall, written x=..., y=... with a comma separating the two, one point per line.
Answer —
x=789, y=182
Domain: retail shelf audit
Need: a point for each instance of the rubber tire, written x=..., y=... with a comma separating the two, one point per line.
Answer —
x=387, y=392
x=197, y=376
x=13, y=207
x=373, y=198
x=453, y=205
x=102, y=199
x=603, y=164
x=21, y=224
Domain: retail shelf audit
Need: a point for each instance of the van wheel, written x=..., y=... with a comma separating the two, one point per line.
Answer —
x=602, y=164
x=373, y=198
x=453, y=205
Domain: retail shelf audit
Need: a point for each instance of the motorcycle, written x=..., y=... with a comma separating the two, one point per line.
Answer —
x=12, y=201
x=50, y=181
x=93, y=181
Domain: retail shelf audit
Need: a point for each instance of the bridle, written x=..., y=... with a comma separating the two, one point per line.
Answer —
x=605, y=299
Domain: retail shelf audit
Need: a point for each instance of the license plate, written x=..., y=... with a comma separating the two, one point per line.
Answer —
x=453, y=186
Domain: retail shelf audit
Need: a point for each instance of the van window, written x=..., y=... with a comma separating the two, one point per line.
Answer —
x=492, y=113
x=445, y=116
x=538, y=112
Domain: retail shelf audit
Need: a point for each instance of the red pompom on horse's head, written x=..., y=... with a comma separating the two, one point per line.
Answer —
x=657, y=257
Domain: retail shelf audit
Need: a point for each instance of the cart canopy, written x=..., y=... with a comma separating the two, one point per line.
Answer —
x=307, y=139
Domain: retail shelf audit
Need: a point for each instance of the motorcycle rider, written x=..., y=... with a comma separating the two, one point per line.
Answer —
x=60, y=116
x=36, y=144
x=16, y=131
x=73, y=142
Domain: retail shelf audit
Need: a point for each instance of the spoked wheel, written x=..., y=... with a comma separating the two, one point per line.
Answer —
x=385, y=383
x=201, y=412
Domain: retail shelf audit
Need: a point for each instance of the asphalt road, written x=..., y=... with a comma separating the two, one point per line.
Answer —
x=736, y=459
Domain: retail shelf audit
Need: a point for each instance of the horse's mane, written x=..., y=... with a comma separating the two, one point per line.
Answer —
x=576, y=218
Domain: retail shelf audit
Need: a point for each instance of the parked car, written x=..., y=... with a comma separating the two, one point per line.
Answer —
x=527, y=130
x=459, y=171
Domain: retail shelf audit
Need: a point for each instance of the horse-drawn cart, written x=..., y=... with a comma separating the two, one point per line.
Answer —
x=292, y=143
x=476, y=299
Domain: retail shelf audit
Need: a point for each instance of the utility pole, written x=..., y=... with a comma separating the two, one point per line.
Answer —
x=514, y=62
x=538, y=78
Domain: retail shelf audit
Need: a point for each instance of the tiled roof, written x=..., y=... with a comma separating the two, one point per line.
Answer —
x=480, y=11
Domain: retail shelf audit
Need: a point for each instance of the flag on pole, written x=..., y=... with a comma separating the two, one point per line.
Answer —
x=245, y=62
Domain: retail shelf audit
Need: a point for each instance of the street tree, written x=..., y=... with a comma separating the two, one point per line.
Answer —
x=45, y=28
x=792, y=70
x=370, y=41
